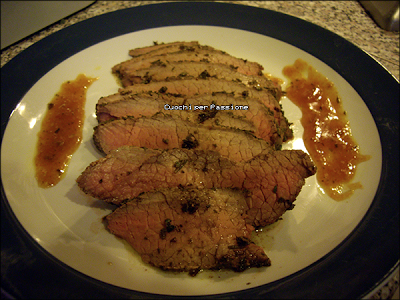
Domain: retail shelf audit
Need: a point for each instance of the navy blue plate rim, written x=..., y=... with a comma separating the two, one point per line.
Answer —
x=352, y=270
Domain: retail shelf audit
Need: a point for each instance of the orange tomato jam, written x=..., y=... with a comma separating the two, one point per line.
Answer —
x=61, y=131
x=327, y=135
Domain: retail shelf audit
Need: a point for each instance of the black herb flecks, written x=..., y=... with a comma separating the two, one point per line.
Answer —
x=163, y=89
x=158, y=63
x=288, y=204
x=168, y=227
x=241, y=242
x=191, y=206
x=204, y=75
x=125, y=92
x=275, y=189
x=207, y=115
x=186, y=48
x=147, y=78
x=179, y=165
x=190, y=142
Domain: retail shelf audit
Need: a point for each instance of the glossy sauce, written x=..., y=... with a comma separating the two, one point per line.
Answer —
x=276, y=80
x=327, y=135
x=61, y=131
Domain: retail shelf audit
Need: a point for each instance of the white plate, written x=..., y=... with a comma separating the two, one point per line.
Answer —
x=68, y=224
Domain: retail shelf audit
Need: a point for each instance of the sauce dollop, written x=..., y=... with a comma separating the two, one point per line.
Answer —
x=61, y=131
x=327, y=135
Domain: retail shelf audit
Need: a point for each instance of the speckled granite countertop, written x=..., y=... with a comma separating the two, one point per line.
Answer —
x=345, y=18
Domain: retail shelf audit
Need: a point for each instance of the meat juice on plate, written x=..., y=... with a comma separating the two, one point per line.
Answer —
x=61, y=131
x=327, y=134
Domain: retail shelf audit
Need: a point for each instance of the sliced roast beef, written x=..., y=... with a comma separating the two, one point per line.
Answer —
x=198, y=69
x=192, y=184
x=147, y=105
x=128, y=109
x=192, y=87
x=168, y=132
x=184, y=229
x=273, y=180
x=162, y=48
x=254, y=116
x=196, y=53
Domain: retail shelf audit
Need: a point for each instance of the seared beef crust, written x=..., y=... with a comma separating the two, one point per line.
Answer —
x=185, y=229
x=274, y=179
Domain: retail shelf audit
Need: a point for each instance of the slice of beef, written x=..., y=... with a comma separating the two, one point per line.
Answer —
x=273, y=180
x=162, y=48
x=256, y=118
x=130, y=104
x=198, y=69
x=148, y=106
x=131, y=109
x=197, y=53
x=168, y=132
x=192, y=87
x=188, y=229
